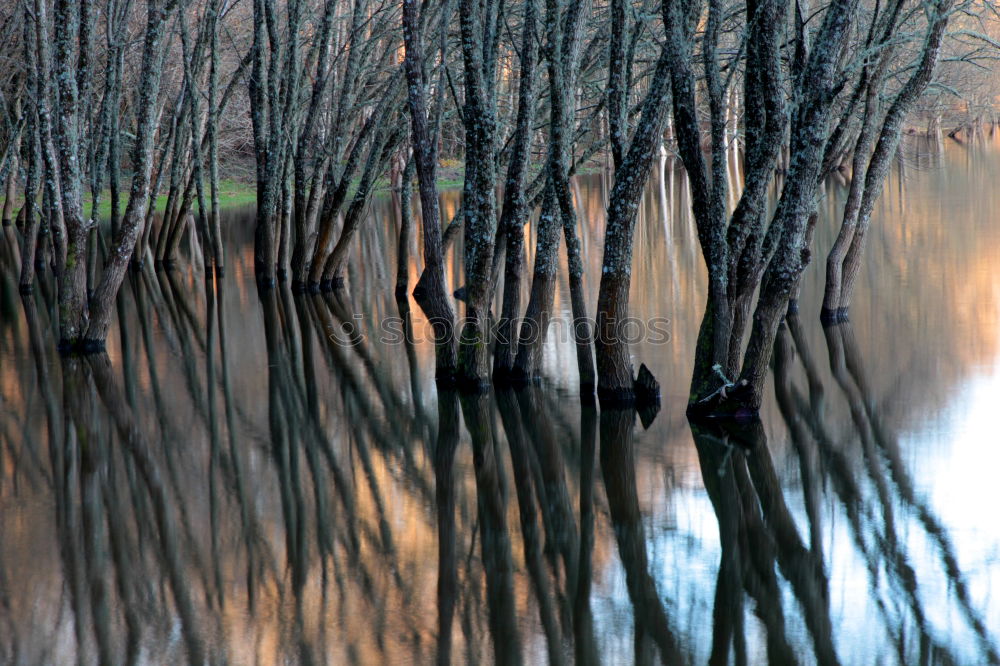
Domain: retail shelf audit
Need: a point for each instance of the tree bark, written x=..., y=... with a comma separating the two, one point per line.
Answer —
x=614, y=365
x=790, y=256
x=838, y=296
x=10, y=189
x=29, y=214
x=515, y=208
x=536, y=317
x=117, y=262
x=73, y=311
x=405, y=230
x=306, y=161
x=479, y=51
x=430, y=292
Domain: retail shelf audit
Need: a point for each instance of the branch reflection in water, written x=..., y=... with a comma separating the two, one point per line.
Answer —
x=232, y=484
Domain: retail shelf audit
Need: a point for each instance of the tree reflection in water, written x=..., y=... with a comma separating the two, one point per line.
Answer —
x=222, y=489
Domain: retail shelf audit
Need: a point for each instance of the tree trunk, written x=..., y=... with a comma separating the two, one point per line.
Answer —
x=10, y=191
x=852, y=207
x=73, y=311
x=29, y=214
x=405, y=230
x=479, y=51
x=536, y=318
x=564, y=61
x=844, y=260
x=306, y=161
x=218, y=252
x=382, y=147
x=118, y=260
x=614, y=366
x=515, y=209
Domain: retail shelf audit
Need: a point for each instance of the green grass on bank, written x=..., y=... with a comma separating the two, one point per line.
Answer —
x=235, y=193
x=231, y=194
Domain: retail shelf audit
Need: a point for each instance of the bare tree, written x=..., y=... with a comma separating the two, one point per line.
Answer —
x=431, y=293
x=118, y=259
x=872, y=166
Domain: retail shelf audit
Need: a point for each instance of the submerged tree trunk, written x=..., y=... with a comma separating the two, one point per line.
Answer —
x=102, y=304
x=480, y=35
x=405, y=231
x=271, y=95
x=73, y=311
x=29, y=215
x=383, y=145
x=564, y=64
x=536, y=317
x=190, y=56
x=515, y=208
x=733, y=255
x=746, y=252
x=372, y=135
x=844, y=260
x=430, y=292
x=10, y=189
x=563, y=57
x=852, y=207
x=809, y=134
x=218, y=253
x=52, y=200
x=263, y=254
x=614, y=364
x=307, y=161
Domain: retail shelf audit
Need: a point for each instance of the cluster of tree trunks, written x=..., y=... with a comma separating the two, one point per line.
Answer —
x=801, y=93
x=340, y=93
x=66, y=142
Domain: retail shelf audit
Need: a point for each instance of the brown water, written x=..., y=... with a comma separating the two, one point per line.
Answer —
x=246, y=483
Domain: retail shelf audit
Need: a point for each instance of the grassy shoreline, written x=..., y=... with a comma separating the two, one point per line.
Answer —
x=231, y=194
x=235, y=193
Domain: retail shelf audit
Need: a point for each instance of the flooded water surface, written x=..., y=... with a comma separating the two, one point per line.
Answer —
x=272, y=478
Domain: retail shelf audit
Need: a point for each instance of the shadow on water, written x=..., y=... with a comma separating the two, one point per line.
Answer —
x=262, y=478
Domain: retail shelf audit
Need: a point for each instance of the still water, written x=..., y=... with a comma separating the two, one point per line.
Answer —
x=252, y=480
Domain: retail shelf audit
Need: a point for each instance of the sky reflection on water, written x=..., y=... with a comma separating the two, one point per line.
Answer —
x=231, y=486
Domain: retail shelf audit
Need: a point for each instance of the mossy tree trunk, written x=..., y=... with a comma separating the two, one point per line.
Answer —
x=480, y=30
